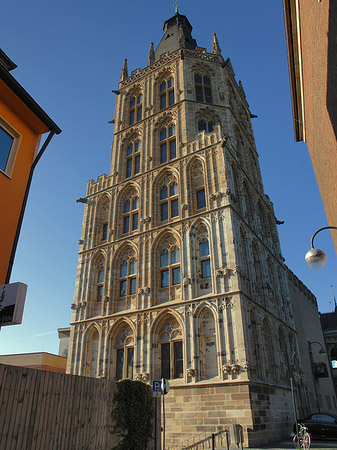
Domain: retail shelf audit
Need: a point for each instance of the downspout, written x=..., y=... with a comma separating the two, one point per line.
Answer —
x=24, y=203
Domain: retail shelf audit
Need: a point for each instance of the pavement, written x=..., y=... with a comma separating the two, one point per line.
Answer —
x=285, y=445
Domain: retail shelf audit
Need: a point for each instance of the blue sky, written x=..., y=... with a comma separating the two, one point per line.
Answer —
x=69, y=56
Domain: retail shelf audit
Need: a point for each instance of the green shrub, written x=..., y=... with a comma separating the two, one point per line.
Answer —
x=132, y=414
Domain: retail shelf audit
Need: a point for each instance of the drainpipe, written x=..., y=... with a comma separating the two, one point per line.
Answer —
x=24, y=203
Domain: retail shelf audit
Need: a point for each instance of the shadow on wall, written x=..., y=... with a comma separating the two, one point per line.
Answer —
x=331, y=100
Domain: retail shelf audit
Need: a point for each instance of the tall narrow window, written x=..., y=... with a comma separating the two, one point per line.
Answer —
x=168, y=147
x=198, y=184
x=205, y=263
x=170, y=267
x=100, y=283
x=166, y=90
x=203, y=90
x=171, y=349
x=124, y=348
x=132, y=159
x=169, y=203
x=130, y=214
x=127, y=279
x=136, y=109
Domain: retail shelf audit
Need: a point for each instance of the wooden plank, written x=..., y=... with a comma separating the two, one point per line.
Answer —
x=46, y=402
x=39, y=407
x=27, y=407
x=17, y=406
x=11, y=400
x=4, y=392
x=66, y=413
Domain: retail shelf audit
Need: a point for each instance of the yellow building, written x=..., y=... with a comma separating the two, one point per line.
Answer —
x=22, y=123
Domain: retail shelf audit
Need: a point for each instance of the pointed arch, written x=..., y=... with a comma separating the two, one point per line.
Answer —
x=166, y=264
x=92, y=339
x=269, y=360
x=121, y=341
x=207, y=343
x=196, y=170
x=102, y=218
x=166, y=196
x=168, y=355
x=125, y=277
x=128, y=205
x=255, y=347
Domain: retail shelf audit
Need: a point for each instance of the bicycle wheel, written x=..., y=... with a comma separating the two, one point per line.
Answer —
x=306, y=441
x=297, y=442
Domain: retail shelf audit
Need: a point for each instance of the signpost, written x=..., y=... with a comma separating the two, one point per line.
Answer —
x=12, y=300
x=156, y=388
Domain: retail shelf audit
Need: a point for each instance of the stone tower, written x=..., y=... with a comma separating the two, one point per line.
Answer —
x=180, y=272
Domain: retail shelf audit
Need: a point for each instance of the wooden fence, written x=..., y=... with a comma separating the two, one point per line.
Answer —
x=51, y=411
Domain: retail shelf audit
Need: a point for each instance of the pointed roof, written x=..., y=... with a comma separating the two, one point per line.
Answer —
x=216, y=47
x=151, y=58
x=177, y=34
x=124, y=74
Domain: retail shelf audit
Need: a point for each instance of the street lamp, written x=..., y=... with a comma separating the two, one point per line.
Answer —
x=316, y=258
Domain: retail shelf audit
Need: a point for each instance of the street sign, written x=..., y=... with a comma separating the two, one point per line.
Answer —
x=165, y=386
x=156, y=388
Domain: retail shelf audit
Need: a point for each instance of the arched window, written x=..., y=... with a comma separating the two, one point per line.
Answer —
x=130, y=213
x=255, y=346
x=169, y=203
x=205, y=125
x=284, y=362
x=198, y=184
x=136, y=109
x=168, y=148
x=203, y=89
x=132, y=158
x=102, y=220
x=126, y=281
x=91, y=357
x=122, y=354
x=127, y=277
x=166, y=93
x=171, y=349
x=268, y=353
x=205, y=263
x=99, y=283
x=207, y=345
x=170, y=267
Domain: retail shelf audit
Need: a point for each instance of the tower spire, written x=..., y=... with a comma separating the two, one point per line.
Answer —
x=151, y=55
x=124, y=73
x=176, y=7
x=216, y=47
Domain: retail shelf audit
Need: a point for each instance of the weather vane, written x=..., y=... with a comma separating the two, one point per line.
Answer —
x=176, y=7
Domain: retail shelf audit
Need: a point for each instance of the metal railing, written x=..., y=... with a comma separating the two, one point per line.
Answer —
x=215, y=440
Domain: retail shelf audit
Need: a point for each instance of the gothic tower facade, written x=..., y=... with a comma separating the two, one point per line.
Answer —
x=180, y=273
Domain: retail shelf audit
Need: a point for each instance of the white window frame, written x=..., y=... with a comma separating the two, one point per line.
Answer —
x=14, y=148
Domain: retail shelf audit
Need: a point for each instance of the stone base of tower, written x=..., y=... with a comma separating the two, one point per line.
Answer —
x=264, y=411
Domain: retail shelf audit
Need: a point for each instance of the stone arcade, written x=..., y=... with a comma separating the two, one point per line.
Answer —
x=180, y=272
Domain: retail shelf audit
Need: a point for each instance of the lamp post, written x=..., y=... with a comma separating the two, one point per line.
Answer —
x=316, y=258
x=321, y=351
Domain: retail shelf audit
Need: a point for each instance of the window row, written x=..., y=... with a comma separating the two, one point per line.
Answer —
x=203, y=93
x=169, y=270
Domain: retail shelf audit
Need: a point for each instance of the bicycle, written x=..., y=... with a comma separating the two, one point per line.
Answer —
x=302, y=440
